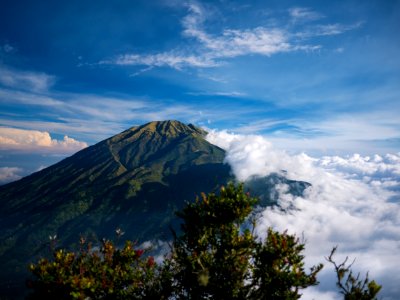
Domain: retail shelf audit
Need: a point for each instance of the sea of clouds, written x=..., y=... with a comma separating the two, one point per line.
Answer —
x=353, y=203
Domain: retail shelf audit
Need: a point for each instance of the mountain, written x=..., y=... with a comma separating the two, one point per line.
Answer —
x=135, y=180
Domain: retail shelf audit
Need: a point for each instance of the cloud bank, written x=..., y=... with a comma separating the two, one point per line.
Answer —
x=37, y=141
x=354, y=202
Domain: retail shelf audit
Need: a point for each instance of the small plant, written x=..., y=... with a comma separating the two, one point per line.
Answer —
x=352, y=287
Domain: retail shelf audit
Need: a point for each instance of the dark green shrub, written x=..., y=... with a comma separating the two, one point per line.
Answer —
x=106, y=273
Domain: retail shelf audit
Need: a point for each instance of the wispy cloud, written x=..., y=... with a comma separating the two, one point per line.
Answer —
x=173, y=59
x=141, y=71
x=88, y=107
x=103, y=107
x=259, y=40
x=210, y=49
x=303, y=14
x=37, y=141
x=327, y=30
x=25, y=80
x=262, y=125
x=232, y=43
x=222, y=94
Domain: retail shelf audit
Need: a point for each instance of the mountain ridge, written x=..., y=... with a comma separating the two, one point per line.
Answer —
x=135, y=180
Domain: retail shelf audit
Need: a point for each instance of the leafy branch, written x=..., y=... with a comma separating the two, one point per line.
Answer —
x=350, y=285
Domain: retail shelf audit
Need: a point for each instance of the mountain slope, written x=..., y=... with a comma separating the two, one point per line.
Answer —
x=135, y=180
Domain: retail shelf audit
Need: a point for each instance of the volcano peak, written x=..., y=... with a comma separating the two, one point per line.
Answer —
x=168, y=128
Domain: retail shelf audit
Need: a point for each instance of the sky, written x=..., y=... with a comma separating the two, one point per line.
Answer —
x=321, y=77
x=309, y=87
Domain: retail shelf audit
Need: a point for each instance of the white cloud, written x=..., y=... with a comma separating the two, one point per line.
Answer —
x=304, y=14
x=233, y=43
x=210, y=49
x=38, y=141
x=25, y=80
x=104, y=108
x=354, y=202
x=8, y=174
x=327, y=30
x=223, y=94
x=259, y=40
x=213, y=48
x=92, y=108
x=249, y=160
x=261, y=125
x=335, y=29
x=171, y=59
x=141, y=71
x=193, y=20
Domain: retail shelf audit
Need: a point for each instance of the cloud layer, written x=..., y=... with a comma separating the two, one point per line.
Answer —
x=37, y=141
x=354, y=202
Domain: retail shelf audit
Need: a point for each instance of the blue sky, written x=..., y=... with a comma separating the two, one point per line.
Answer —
x=316, y=76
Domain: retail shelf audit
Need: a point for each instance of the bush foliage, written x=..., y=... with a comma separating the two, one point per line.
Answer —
x=107, y=272
x=216, y=256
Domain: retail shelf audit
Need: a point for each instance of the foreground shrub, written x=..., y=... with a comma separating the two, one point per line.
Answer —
x=105, y=273
x=216, y=256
